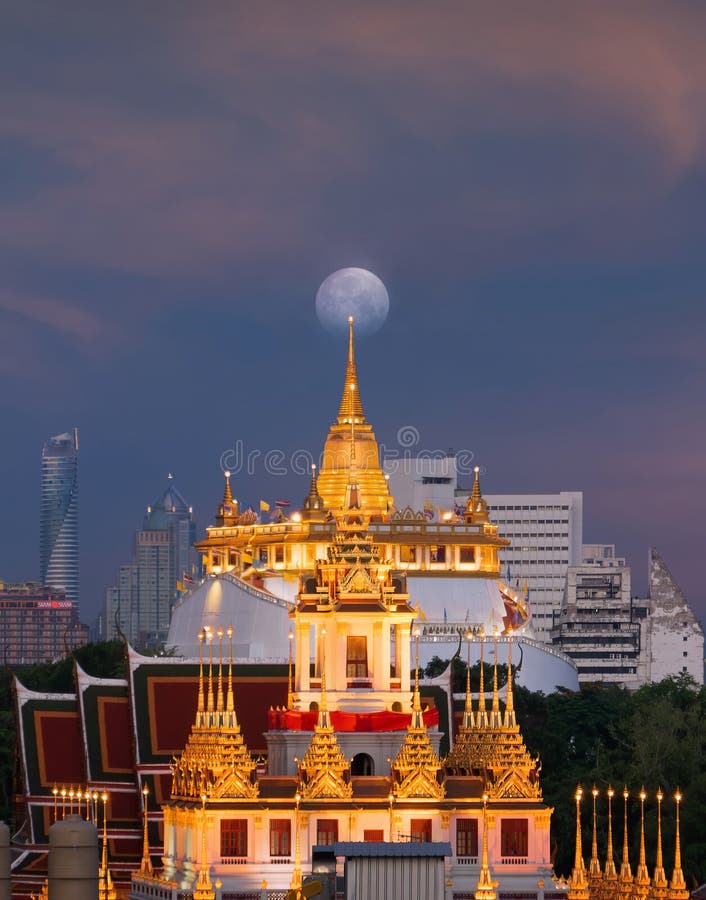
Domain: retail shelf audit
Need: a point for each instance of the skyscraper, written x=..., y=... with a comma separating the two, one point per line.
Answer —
x=58, y=520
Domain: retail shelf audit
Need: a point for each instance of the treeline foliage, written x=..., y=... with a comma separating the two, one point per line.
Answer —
x=599, y=735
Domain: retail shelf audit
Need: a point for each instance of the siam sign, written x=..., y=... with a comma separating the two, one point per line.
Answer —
x=54, y=604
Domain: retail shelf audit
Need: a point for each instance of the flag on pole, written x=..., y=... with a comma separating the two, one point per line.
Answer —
x=180, y=586
x=282, y=504
x=264, y=506
x=508, y=573
x=186, y=578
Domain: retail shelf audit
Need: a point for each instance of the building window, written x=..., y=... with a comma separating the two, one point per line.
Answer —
x=234, y=837
x=280, y=837
x=467, y=837
x=356, y=656
x=408, y=553
x=437, y=554
x=326, y=832
x=373, y=836
x=420, y=830
x=467, y=554
x=279, y=553
x=513, y=837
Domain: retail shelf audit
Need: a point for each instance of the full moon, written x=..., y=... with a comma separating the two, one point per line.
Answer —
x=352, y=292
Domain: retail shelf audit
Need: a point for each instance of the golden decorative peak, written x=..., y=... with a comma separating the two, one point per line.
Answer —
x=485, y=888
x=642, y=876
x=482, y=718
x=578, y=882
x=313, y=508
x=146, y=869
x=510, y=720
x=677, y=886
x=215, y=762
x=625, y=870
x=106, y=889
x=351, y=409
x=227, y=493
x=594, y=866
x=659, y=879
x=476, y=507
x=416, y=771
x=495, y=717
x=610, y=872
x=204, y=886
x=468, y=722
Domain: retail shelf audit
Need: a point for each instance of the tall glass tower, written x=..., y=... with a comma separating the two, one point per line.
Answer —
x=58, y=519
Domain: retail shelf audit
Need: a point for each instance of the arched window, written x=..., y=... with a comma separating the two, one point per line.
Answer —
x=362, y=764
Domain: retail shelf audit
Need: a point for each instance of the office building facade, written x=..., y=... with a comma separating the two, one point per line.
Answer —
x=58, y=521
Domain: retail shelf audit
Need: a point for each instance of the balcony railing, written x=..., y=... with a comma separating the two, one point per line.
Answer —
x=465, y=861
x=233, y=860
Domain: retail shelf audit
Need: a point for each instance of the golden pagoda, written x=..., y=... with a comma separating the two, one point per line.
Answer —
x=215, y=762
x=416, y=771
x=351, y=445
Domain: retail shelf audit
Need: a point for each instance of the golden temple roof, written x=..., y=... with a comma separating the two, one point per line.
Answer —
x=351, y=408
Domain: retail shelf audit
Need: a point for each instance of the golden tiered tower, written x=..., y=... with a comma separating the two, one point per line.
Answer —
x=350, y=445
x=215, y=762
x=416, y=771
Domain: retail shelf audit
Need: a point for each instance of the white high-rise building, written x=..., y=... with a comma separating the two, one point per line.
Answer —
x=546, y=530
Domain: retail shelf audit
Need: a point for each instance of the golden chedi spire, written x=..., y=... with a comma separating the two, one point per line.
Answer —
x=146, y=869
x=660, y=884
x=610, y=873
x=106, y=888
x=594, y=866
x=625, y=876
x=215, y=761
x=496, y=720
x=416, y=770
x=641, y=882
x=485, y=888
x=578, y=882
x=461, y=758
x=313, y=508
x=476, y=512
x=351, y=444
x=324, y=772
x=228, y=512
x=677, y=885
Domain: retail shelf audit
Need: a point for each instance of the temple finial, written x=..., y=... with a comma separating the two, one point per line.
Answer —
x=481, y=717
x=219, y=696
x=642, y=876
x=485, y=888
x=677, y=884
x=417, y=718
x=659, y=879
x=476, y=507
x=625, y=870
x=230, y=702
x=578, y=883
x=610, y=871
x=201, y=705
x=209, y=696
x=351, y=409
x=510, y=720
x=467, y=722
x=594, y=867
x=227, y=493
x=495, y=718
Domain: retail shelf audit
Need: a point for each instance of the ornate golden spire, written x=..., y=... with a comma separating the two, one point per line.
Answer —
x=228, y=507
x=351, y=408
x=641, y=882
x=594, y=866
x=659, y=879
x=467, y=723
x=495, y=717
x=625, y=870
x=106, y=889
x=677, y=886
x=485, y=888
x=610, y=872
x=324, y=772
x=146, y=869
x=204, y=886
x=578, y=882
x=297, y=876
x=476, y=507
x=510, y=720
x=481, y=716
x=417, y=769
x=227, y=493
x=313, y=508
x=215, y=761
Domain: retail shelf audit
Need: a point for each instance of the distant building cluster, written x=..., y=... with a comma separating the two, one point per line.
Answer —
x=37, y=623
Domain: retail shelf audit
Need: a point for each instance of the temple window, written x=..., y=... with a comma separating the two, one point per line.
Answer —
x=263, y=555
x=466, y=837
x=280, y=837
x=234, y=837
x=356, y=656
x=233, y=558
x=326, y=832
x=437, y=554
x=513, y=837
x=467, y=554
x=420, y=830
x=408, y=553
x=279, y=553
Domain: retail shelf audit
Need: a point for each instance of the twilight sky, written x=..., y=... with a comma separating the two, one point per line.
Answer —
x=529, y=181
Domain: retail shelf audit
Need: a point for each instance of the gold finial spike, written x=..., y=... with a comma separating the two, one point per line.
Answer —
x=417, y=718
x=610, y=871
x=230, y=705
x=594, y=867
x=351, y=409
x=625, y=870
x=642, y=876
x=200, y=707
x=204, y=886
x=578, y=883
x=227, y=493
x=219, y=696
x=297, y=876
x=677, y=883
x=485, y=888
x=209, y=698
x=290, y=692
x=659, y=879
x=467, y=722
x=510, y=720
x=482, y=718
x=495, y=704
x=323, y=720
x=146, y=864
